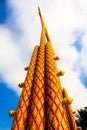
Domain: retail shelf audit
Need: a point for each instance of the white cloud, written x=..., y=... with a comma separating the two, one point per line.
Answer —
x=82, y=59
x=75, y=89
x=11, y=65
x=63, y=19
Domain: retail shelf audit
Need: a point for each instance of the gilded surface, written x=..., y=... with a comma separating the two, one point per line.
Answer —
x=36, y=120
x=55, y=111
x=20, y=120
x=43, y=105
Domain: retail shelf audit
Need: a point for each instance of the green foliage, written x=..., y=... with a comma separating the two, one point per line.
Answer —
x=81, y=118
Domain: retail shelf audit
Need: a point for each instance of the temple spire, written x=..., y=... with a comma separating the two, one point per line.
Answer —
x=43, y=104
x=43, y=24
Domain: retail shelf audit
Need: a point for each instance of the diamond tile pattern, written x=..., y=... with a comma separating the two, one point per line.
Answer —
x=56, y=118
x=20, y=120
x=36, y=120
x=40, y=105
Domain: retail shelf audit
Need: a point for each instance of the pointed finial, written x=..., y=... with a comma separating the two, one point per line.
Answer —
x=43, y=24
x=39, y=11
x=42, y=21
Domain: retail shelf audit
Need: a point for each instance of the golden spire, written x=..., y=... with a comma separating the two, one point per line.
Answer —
x=43, y=103
x=36, y=115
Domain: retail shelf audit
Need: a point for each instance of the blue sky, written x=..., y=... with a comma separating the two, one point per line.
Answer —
x=8, y=101
x=20, y=32
x=8, y=98
x=3, y=11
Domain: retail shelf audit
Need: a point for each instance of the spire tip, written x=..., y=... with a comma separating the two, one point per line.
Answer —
x=38, y=8
x=39, y=11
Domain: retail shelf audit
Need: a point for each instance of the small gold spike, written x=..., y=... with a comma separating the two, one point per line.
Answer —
x=26, y=68
x=61, y=73
x=67, y=101
x=12, y=113
x=57, y=58
x=74, y=112
x=21, y=84
x=79, y=128
x=65, y=92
